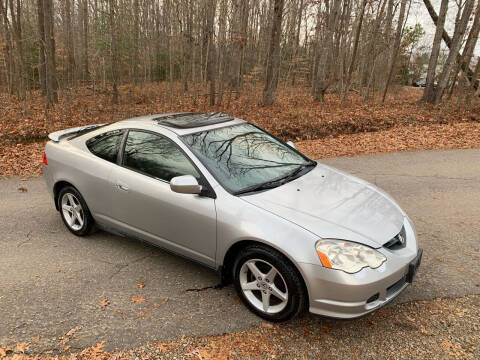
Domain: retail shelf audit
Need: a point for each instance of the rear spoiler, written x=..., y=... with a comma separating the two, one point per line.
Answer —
x=76, y=131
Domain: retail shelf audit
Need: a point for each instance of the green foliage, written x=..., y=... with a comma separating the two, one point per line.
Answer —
x=411, y=66
x=411, y=38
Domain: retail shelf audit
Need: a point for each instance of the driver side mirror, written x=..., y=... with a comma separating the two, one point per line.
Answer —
x=291, y=144
x=185, y=184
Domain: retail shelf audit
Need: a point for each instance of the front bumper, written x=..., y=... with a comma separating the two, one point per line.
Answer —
x=336, y=294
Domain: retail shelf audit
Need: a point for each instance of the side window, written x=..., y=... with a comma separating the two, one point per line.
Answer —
x=157, y=156
x=106, y=145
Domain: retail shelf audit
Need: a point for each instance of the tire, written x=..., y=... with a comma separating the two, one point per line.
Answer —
x=287, y=297
x=81, y=223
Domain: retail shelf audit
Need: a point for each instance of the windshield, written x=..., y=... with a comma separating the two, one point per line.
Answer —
x=243, y=157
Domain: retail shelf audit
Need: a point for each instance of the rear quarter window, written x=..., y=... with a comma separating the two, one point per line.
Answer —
x=106, y=145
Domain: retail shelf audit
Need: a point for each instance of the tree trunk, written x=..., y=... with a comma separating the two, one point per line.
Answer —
x=15, y=14
x=429, y=92
x=355, y=48
x=136, y=39
x=50, y=71
x=9, y=48
x=113, y=48
x=468, y=50
x=86, y=75
x=271, y=79
x=324, y=71
x=70, y=44
x=447, y=38
x=222, y=56
x=476, y=75
x=460, y=29
x=297, y=43
x=41, y=42
x=211, y=49
x=396, y=46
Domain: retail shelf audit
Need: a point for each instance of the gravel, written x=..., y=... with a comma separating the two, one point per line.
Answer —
x=444, y=328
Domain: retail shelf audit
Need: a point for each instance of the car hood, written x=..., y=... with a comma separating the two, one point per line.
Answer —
x=333, y=204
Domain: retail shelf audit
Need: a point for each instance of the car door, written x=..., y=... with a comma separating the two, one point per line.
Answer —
x=144, y=205
x=92, y=173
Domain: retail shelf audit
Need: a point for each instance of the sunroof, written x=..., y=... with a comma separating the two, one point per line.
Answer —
x=193, y=120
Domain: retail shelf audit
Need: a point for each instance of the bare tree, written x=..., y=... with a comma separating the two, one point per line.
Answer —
x=429, y=92
x=446, y=38
x=355, y=46
x=49, y=47
x=396, y=46
x=69, y=44
x=85, y=39
x=112, y=4
x=468, y=54
x=271, y=79
x=322, y=70
x=460, y=29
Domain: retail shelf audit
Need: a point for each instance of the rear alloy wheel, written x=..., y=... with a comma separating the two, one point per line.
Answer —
x=268, y=284
x=74, y=211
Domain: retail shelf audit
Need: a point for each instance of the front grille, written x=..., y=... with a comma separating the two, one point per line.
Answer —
x=399, y=241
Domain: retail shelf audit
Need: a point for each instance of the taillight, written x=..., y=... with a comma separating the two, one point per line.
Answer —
x=44, y=159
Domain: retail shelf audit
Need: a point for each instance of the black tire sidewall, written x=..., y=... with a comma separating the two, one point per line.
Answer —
x=296, y=290
x=88, y=220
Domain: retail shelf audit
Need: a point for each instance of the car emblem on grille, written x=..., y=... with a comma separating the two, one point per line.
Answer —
x=401, y=239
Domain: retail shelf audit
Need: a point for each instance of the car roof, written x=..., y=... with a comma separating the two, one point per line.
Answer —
x=183, y=123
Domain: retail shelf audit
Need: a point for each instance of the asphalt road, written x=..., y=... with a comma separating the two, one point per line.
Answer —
x=51, y=282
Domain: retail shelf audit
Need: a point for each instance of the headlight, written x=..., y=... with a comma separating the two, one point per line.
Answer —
x=347, y=256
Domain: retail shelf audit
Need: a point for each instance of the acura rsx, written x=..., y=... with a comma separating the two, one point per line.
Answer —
x=292, y=234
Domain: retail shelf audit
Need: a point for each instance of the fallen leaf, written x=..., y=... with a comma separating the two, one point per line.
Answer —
x=164, y=301
x=36, y=339
x=104, y=302
x=140, y=285
x=99, y=347
x=162, y=347
x=72, y=331
x=22, y=189
x=145, y=313
x=21, y=347
x=138, y=299
x=5, y=351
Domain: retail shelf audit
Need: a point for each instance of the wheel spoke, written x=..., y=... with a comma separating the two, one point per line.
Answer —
x=253, y=268
x=277, y=293
x=70, y=200
x=67, y=208
x=70, y=218
x=250, y=286
x=79, y=217
x=271, y=275
x=265, y=300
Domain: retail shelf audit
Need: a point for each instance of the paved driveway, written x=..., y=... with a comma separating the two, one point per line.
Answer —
x=51, y=282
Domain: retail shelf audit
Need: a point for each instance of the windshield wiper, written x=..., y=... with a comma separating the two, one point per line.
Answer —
x=279, y=181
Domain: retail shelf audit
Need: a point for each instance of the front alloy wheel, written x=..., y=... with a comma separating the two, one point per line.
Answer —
x=268, y=283
x=263, y=286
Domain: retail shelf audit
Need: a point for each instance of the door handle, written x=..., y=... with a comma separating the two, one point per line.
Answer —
x=122, y=187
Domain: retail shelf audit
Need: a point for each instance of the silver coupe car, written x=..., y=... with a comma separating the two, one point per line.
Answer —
x=290, y=233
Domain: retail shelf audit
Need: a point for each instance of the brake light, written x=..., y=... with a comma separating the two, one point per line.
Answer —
x=44, y=159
